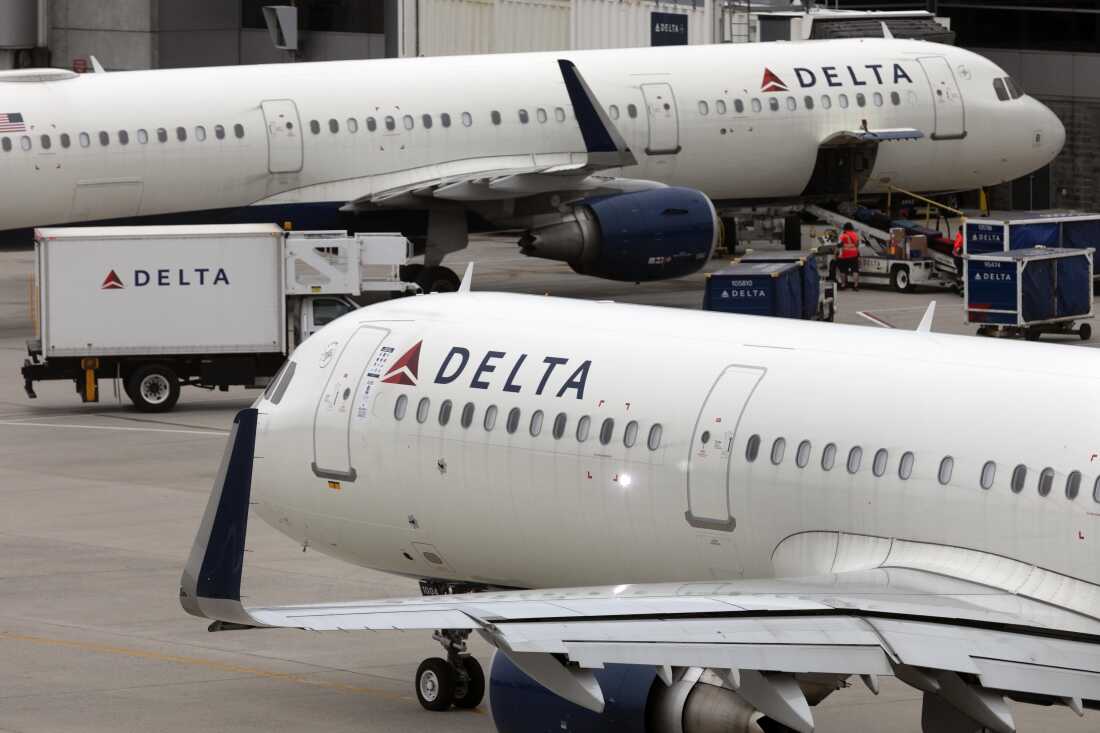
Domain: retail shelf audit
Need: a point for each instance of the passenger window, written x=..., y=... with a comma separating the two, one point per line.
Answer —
x=467, y=418
x=895, y=98
x=826, y=101
x=6, y=144
x=390, y=123
x=25, y=142
x=559, y=114
x=607, y=430
x=495, y=117
x=1096, y=490
x=1019, y=478
x=45, y=142
x=855, y=459
x=999, y=88
x=142, y=137
x=238, y=130
x=423, y=408
x=445, y=412
x=162, y=135
x=905, y=467
x=631, y=111
x=104, y=139
x=704, y=108
x=842, y=100
x=512, y=423
x=613, y=111
x=219, y=132
x=630, y=435
x=861, y=100
x=752, y=448
x=371, y=124
x=536, y=423
x=779, y=447
x=407, y=121
x=181, y=134
x=490, y=420
x=200, y=133
x=1073, y=485
x=85, y=139
x=65, y=139
x=1046, y=481
x=654, y=440
x=877, y=99
x=467, y=120
x=559, y=425
x=523, y=118
x=583, y=426
x=315, y=127
x=878, y=466
x=352, y=125
x=756, y=106
x=280, y=390
x=792, y=105
x=802, y=455
x=719, y=106
x=808, y=101
x=989, y=473
x=773, y=104
x=400, y=407
x=828, y=457
x=426, y=120
x=947, y=467
x=738, y=106
x=333, y=126
x=123, y=137
x=540, y=114
x=445, y=119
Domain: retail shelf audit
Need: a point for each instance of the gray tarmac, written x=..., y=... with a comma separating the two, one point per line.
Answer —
x=98, y=509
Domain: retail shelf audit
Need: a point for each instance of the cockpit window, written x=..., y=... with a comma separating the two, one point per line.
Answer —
x=1014, y=89
x=283, y=383
x=1001, y=89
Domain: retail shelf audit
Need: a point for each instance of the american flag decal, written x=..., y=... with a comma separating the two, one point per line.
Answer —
x=12, y=122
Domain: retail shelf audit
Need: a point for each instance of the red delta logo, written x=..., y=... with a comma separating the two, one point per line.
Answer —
x=404, y=370
x=771, y=82
x=112, y=282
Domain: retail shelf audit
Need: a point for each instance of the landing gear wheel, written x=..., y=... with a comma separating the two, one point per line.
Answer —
x=438, y=279
x=435, y=684
x=469, y=692
x=899, y=278
x=1085, y=332
x=153, y=388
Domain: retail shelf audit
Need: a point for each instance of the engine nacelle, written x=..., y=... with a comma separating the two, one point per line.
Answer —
x=636, y=701
x=644, y=235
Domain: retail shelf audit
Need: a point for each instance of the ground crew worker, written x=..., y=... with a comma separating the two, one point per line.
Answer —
x=957, y=252
x=848, y=258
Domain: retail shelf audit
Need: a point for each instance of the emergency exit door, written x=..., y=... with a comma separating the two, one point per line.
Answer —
x=284, y=136
x=664, y=122
x=712, y=443
x=332, y=419
x=947, y=100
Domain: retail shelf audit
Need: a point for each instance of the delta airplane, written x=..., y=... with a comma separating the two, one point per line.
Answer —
x=677, y=520
x=608, y=160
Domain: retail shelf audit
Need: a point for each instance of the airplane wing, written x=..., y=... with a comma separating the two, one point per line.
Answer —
x=969, y=643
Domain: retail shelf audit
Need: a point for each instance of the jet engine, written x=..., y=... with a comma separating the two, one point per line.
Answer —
x=636, y=701
x=638, y=236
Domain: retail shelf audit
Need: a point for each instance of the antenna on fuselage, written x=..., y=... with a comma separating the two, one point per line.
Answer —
x=467, y=279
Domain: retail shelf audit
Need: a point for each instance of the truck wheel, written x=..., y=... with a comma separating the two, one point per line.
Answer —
x=153, y=388
x=899, y=278
x=1085, y=332
x=438, y=280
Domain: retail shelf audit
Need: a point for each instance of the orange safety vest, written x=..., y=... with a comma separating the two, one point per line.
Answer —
x=849, y=245
x=958, y=250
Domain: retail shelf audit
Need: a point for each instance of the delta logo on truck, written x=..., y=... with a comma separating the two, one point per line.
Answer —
x=169, y=277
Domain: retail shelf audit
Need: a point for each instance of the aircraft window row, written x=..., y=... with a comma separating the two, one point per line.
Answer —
x=791, y=103
x=141, y=135
x=515, y=415
x=427, y=121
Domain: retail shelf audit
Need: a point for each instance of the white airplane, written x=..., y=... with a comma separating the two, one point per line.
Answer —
x=731, y=524
x=434, y=146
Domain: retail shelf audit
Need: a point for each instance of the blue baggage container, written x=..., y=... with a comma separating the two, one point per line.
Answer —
x=810, y=277
x=1029, y=287
x=1025, y=230
x=756, y=288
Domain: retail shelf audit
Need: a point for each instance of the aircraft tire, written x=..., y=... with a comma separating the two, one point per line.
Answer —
x=435, y=684
x=469, y=695
x=438, y=279
x=153, y=388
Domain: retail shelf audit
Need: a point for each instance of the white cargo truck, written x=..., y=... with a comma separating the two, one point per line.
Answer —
x=155, y=308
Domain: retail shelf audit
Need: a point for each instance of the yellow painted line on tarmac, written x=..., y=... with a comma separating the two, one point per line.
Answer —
x=197, y=662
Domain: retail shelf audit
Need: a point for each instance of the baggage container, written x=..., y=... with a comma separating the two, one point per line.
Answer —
x=756, y=288
x=816, y=302
x=1026, y=230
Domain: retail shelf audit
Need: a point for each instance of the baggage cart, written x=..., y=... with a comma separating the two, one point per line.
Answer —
x=756, y=288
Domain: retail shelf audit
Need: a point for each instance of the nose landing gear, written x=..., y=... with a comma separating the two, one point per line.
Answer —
x=457, y=680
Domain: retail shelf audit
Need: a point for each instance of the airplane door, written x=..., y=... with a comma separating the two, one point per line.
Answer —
x=711, y=448
x=947, y=100
x=664, y=122
x=284, y=136
x=332, y=419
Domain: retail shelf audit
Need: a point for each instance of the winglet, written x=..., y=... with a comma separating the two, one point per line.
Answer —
x=211, y=583
x=925, y=325
x=96, y=66
x=467, y=279
x=602, y=140
x=886, y=31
